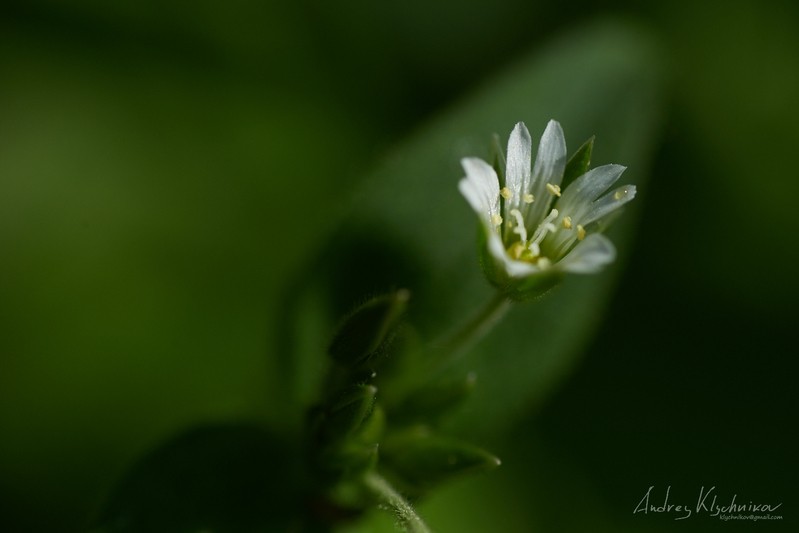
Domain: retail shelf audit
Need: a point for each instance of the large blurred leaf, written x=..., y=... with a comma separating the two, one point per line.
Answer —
x=601, y=80
x=235, y=478
x=734, y=138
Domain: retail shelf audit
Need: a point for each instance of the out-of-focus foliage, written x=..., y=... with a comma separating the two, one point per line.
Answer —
x=612, y=70
x=164, y=170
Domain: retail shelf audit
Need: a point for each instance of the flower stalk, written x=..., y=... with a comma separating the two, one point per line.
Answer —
x=472, y=331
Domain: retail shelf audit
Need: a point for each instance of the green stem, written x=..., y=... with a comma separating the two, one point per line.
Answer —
x=472, y=331
x=383, y=491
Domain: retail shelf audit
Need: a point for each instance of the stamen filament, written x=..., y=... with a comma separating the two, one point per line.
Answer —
x=545, y=227
x=520, y=230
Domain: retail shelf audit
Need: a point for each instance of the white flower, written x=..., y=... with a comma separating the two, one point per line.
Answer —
x=532, y=228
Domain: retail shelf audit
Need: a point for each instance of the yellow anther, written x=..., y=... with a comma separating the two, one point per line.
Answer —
x=553, y=189
x=567, y=222
x=580, y=232
x=505, y=193
x=618, y=195
x=496, y=220
x=528, y=198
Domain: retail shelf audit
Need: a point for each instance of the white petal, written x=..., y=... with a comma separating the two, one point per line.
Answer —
x=520, y=269
x=588, y=187
x=475, y=200
x=480, y=187
x=577, y=201
x=609, y=203
x=551, y=158
x=589, y=256
x=550, y=163
x=517, y=169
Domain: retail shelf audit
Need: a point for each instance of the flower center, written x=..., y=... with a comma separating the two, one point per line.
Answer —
x=530, y=252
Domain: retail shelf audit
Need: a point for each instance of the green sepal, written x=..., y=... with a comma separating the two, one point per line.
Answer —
x=493, y=272
x=534, y=287
x=368, y=330
x=578, y=163
x=498, y=158
x=422, y=459
x=432, y=401
x=348, y=412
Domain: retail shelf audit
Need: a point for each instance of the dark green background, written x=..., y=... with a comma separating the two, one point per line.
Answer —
x=166, y=171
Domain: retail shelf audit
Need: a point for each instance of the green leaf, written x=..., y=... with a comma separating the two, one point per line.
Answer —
x=423, y=459
x=372, y=428
x=219, y=478
x=348, y=412
x=368, y=331
x=348, y=450
x=578, y=163
x=347, y=461
x=602, y=79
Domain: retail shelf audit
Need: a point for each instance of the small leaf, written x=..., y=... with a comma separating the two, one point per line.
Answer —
x=423, y=459
x=371, y=430
x=369, y=329
x=579, y=162
x=347, y=461
x=348, y=412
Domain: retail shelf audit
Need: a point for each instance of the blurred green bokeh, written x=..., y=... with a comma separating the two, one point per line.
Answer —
x=166, y=170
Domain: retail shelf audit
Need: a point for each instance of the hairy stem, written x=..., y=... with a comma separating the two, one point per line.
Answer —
x=388, y=495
